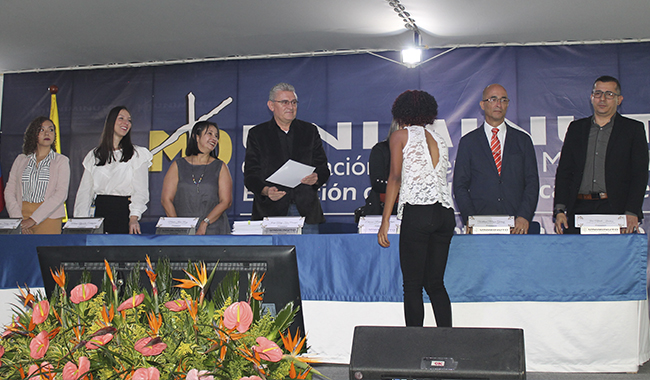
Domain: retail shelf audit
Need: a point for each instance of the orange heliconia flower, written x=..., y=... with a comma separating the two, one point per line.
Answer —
x=107, y=316
x=41, y=312
x=26, y=296
x=238, y=315
x=294, y=375
x=154, y=323
x=109, y=273
x=59, y=277
x=83, y=292
x=39, y=345
x=44, y=371
x=255, y=285
x=151, y=274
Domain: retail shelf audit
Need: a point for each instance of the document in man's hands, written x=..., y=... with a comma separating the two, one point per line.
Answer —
x=291, y=173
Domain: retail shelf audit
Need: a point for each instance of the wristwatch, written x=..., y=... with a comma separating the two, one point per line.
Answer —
x=557, y=211
x=207, y=221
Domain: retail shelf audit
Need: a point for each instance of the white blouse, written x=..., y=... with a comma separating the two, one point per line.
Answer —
x=129, y=179
x=422, y=184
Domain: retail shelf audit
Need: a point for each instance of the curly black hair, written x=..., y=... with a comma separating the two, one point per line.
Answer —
x=30, y=139
x=415, y=107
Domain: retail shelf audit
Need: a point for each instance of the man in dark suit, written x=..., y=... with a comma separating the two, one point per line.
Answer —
x=269, y=146
x=496, y=169
x=603, y=166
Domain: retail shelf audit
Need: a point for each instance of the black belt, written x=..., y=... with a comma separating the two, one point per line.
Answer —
x=592, y=196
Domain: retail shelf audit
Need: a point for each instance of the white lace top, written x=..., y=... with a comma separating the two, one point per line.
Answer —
x=422, y=184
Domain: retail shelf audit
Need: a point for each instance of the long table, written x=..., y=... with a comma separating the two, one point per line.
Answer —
x=581, y=300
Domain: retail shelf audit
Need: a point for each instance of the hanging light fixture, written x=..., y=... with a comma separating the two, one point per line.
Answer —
x=412, y=55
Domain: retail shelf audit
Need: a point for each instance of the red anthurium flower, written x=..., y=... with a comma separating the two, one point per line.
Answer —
x=97, y=341
x=150, y=373
x=39, y=345
x=150, y=346
x=131, y=302
x=238, y=315
x=41, y=311
x=268, y=350
x=176, y=305
x=251, y=378
x=2, y=352
x=83, y=292
x=72, y=372
x=195, y=374
x=44, y=371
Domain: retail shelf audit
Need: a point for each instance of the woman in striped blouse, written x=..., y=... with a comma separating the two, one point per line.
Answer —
x=38, y=182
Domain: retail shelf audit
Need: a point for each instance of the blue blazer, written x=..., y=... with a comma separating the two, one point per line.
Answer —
x=478, y=187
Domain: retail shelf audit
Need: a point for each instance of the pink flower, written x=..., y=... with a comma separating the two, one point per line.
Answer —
x=268, y=350
x=131, y=302
x=72, y=372
x=83, y=292
x=99, y=340
x=238, y=315
x=150, y=373
x=41, y=311
x=195, y=374
x=45, y=370
x=39, y=345
x=2, y=352
x=251, y=378
x=150, y=346
x=176, y=305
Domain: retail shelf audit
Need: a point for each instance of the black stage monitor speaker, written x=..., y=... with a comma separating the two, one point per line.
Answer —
x=279, y=264
x=387, y=353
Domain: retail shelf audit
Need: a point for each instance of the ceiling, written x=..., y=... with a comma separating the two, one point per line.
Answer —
x=41, y=34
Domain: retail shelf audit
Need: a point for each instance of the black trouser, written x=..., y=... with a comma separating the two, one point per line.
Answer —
x=115, y=211
x=425, y=235
x=598, y=206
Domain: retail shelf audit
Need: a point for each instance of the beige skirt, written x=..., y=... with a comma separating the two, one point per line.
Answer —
x=47, y=227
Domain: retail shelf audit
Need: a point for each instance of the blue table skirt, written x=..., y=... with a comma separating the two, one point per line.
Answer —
x=351, y=267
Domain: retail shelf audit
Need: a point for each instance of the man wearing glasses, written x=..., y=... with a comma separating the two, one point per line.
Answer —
x=269, y=146
x=603, y=166
x=496, y=169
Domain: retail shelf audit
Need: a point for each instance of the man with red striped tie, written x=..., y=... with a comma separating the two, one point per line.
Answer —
x=496, y=170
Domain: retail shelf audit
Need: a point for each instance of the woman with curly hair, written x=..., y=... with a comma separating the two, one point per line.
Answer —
x=38, y=181
x=116, y=177
x=418, y=172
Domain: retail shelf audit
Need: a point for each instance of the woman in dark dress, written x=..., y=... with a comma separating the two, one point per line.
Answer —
x=199, y=185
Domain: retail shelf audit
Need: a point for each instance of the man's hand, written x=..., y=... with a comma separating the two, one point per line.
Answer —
x=560, y=221
x=521, y=226
x=632, y=224
x=310, y=179
x=273, y=193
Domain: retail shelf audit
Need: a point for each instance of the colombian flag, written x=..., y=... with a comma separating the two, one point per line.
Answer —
x=54, y=116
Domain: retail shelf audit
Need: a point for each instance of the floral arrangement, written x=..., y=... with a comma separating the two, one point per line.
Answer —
x=168, y=332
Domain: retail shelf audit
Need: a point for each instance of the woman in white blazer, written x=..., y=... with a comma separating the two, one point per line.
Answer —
x=38, y=181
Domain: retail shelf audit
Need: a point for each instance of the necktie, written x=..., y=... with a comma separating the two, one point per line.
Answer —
x=495, y=145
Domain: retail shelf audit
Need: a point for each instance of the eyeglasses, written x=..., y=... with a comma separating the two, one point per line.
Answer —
x=608, y=94
x=494, y=99
x=286, y=103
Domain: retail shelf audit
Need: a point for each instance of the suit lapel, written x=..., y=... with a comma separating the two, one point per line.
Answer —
x=484, y=146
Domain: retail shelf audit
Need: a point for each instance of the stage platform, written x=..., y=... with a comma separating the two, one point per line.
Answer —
x=581, y=300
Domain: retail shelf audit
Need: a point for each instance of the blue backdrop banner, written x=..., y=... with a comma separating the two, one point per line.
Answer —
x=349, y=97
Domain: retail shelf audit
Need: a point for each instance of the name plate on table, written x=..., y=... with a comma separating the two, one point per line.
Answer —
x=282, y=225
x=176, y=226
x=491, y=224
x=10, y=226
x=84, y=226
x=370, y=224
x=595, y=224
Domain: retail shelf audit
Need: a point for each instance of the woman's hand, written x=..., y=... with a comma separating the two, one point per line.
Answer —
x=26, y=226
x=203, y=227
x=382, y=235
x=134, y=225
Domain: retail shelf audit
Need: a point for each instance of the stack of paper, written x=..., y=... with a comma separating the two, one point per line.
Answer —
x=283, y=225
x=370, y=224
x=247, y=227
